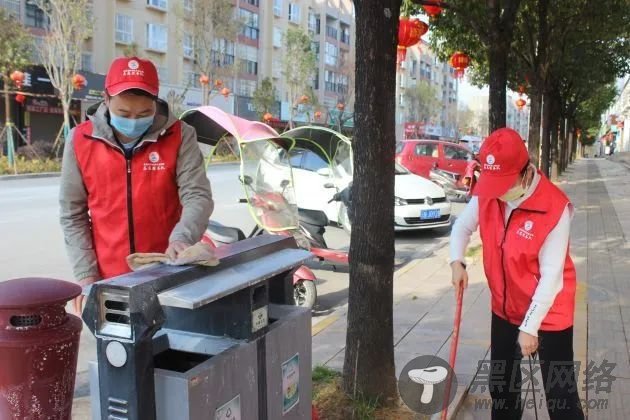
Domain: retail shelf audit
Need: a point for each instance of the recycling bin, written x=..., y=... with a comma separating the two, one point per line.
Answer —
x=39, y=347
x=201, y=342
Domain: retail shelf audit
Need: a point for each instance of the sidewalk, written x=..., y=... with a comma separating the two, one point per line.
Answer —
x=424, y=306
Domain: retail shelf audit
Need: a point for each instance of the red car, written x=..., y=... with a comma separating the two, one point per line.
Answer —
x=420, y=156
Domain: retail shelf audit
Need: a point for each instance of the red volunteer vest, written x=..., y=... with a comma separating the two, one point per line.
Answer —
x=133, y=205
x=510, y=255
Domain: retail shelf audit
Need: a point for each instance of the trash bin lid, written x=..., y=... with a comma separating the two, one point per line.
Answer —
x=35, y=292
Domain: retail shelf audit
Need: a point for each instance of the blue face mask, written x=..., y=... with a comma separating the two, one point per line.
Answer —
x=130, y=127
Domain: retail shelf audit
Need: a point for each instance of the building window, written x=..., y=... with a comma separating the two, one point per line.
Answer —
x=124, y=29
x=276, y=68
x=249, y=67
x=157, y=37
x=247, y=88
x=295, y=15
x=162, y=73
x=12, y=7
x=86, y=62
x=315, y=47
x=277, y=37
x=277, y=7
x=315, y=83
x=249, y=59
x=252, y=2
x=332, y=53
x=188, y=6
x=314, y=23
x=35, y=17
x=158, y=4
x=222, y=53
x=331, y=32
x=250, y=24
x=188, y=45
x=345, y=35
x=192, y=79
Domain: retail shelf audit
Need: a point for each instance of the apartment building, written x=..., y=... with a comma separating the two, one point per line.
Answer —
x=155, y=29
x=422, y=63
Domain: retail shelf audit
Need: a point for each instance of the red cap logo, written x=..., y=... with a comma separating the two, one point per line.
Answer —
x=503, y=156
x=127, y=73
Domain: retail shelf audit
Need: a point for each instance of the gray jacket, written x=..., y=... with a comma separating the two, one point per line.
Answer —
x=194, y=189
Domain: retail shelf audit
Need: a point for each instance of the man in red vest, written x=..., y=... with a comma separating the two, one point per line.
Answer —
x=524, y=221
x=133, y=178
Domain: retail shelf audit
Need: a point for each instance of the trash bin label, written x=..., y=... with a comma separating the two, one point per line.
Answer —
x=230, y=410
x=290, y=383
x=260, y=318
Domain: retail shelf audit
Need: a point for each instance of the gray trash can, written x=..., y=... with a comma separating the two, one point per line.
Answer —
x=222, y=342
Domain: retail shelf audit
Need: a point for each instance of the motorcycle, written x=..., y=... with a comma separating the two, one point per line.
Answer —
x=267, y=180
x=449, y=181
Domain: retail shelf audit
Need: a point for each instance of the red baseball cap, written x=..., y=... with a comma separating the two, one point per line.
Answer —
x=132, y=73
x=503, y=156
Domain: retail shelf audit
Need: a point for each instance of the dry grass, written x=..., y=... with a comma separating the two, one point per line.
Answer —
x=333, y=404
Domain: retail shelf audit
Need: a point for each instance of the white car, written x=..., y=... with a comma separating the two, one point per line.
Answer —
x=419, y=203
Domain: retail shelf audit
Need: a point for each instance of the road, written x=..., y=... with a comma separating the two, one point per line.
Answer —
x=32, y=242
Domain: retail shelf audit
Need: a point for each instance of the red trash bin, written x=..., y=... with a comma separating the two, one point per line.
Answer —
x=39, y=346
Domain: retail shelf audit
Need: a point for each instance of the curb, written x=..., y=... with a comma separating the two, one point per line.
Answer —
x=30, y=176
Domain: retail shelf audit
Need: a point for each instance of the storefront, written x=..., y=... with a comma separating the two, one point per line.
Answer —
x=40, y=116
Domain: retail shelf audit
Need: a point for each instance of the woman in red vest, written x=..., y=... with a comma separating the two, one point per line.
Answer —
x=133, y=178
x=524, y=221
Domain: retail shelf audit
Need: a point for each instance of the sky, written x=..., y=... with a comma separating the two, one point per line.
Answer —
x=468, y=92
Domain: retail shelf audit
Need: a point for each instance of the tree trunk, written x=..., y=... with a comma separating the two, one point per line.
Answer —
x=368, y=370
x=545, y=156
x=555, y=138
x=498, y=67
x=533, y=142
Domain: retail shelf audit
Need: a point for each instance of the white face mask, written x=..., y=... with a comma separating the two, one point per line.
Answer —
x=513, y=193
x=517, y=191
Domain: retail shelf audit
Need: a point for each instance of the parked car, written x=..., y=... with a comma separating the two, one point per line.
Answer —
x=420, y=156
x=419, y=203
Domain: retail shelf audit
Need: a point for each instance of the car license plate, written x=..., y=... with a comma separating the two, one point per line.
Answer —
x=430, y=214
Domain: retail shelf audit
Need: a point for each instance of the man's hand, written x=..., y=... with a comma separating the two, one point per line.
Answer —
x=77, y=303
x=528, y=343
x=460, y=275
x=175, y=248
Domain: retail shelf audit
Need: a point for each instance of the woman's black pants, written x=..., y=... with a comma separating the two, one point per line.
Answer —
x=555, y=361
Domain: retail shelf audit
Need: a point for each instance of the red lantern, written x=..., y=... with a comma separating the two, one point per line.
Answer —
x=459, y=60
x=204, y=80
x=520, y=103
x=432, y=11
x=303, y=99
x=19, y=98
x=18, y=78
x=318, y=114
x=78, y=81
x=218, y=83
x=409, y=33
x=340, y=106
x=267, y=117
x=225, y=92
